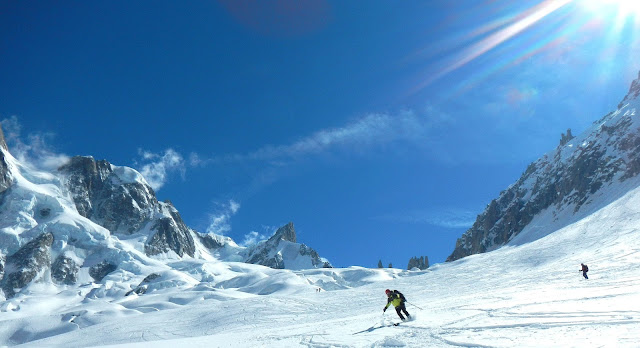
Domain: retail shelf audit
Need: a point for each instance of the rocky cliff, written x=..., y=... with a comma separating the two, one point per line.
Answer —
x=118, y=199
x=580, y=175
x=29, y=262
x=5, y=176
x=421, y=263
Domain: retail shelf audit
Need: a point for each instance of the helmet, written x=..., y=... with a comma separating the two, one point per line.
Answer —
x=387, y=291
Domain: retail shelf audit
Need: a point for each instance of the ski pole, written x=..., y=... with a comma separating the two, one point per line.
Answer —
x=414, y=305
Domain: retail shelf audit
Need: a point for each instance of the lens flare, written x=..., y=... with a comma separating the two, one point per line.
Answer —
x=625, y=8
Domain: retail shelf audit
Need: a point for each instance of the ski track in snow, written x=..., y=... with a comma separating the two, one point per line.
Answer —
x=529, y=295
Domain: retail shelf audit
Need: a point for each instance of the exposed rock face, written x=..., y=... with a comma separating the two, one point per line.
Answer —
x=565, y=179
x=101, y=195
x=634, y=92
x=109, y=196
x=101, y=270
x=210, y=241
x=172, y=234
x=282, y=248
x=286, y=232
x=5, y=176
x=565, y=138
x=25, y=264
x=421, y=262
x=64, y=270
x=2, y=261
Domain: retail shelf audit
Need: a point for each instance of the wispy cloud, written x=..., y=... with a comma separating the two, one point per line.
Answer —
x=156, y=168
x=35, y=151
x=253, y=238
x=447, y=218
x=365, y=133
x=362, y=135
x=220, y=220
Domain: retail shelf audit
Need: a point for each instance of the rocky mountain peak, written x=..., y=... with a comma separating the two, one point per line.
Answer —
x=286, y=232
x=3, y=143
x=119, y=199
x=634, y=92
x=565, y=138
x=108, y=195
x=282, y=251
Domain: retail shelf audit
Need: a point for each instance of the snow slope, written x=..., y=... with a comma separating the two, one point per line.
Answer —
x=525, y=295
x=580, y=176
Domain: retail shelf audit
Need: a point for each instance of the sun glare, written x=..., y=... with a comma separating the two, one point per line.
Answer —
x=622, y=8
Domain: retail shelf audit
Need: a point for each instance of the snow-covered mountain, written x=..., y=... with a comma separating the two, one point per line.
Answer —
x=580, y=176
x=89, y=286
x=90, y=220
x=528, y=295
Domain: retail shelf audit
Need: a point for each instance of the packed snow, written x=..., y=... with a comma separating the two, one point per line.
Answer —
x=525, y=295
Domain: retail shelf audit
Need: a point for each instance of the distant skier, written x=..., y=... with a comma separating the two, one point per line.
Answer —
x=396, y=298
x=584, y=270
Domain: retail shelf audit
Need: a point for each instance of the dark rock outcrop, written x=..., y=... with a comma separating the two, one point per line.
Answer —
x=316, y=260
x=565, y=138
x=101, y=195
x=286, y=232
x=99, y=271
x=5, y=176
x=210, y=241
x=26, y=263
x=171, y=234
x=421, y=262
x=634, y=92
x=2, y=261
x=125, y=206
x=64, y=270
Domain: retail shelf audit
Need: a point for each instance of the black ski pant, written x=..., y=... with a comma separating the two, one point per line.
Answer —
x=401, y=308
x=585, y=275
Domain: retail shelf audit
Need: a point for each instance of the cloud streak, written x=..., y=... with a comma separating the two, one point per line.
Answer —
x=447, y=218
x=362, y=134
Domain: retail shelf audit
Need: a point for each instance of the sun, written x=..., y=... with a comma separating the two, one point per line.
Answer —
x=623, y=9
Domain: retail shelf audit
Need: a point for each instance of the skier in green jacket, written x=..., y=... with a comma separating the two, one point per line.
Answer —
x=396, y=298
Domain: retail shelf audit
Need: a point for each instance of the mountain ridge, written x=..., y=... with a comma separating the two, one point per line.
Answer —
x=90, y=219
x=564, y=182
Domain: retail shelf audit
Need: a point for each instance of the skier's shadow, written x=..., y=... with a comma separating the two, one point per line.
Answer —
x=373, y=328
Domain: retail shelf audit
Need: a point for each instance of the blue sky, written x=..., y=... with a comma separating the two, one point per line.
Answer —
x=379, y=128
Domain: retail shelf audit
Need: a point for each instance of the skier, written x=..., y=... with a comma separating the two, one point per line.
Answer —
x=584, y=270
x=396, y=298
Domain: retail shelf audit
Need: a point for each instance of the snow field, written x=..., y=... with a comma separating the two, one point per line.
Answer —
x=529, y=295
x=526, y=294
